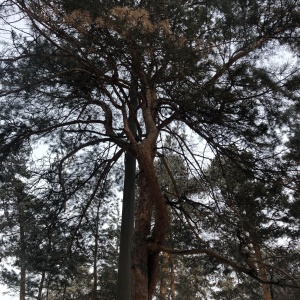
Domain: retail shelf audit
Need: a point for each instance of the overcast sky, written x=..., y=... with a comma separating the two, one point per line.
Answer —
x=6, y=297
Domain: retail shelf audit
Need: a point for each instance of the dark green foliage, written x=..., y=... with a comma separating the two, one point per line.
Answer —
x=212, y=65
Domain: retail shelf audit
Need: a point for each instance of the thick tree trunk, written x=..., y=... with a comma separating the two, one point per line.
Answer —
x=127, y=225
x=150, y=228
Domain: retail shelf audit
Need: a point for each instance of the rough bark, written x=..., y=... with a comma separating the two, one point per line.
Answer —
x=151, y=217
x=150, y=228
x=267, y=295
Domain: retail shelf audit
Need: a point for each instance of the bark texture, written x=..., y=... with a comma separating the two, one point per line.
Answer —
x=267, y=295
x=150, y=227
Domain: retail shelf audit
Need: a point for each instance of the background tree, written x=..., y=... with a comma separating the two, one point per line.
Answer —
x=15, y=219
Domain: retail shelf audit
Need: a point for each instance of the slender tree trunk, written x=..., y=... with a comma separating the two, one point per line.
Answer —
x=163, y=280
x=22, y=283
x=23, y=268
x=95, y=271
x=172, y=278
x=267, y=295
x=21, y=221
x=41, y=286
x=64, y=292
x=48, y=288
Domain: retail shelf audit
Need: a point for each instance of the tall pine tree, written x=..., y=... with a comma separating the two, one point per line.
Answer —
x=71, y=79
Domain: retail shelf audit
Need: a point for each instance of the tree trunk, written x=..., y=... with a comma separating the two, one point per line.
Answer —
x=150, y=227
x=95, y=271
x=172, y=278
x=22, y=283
x=124, y=267
x=127, y=225
x=41, y=286
x=267, y=295
x=23, y=265
x=163, y=280
x=64, y=292
x=22, y=228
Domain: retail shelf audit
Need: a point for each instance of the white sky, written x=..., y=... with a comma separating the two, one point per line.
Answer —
x=3, y=289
